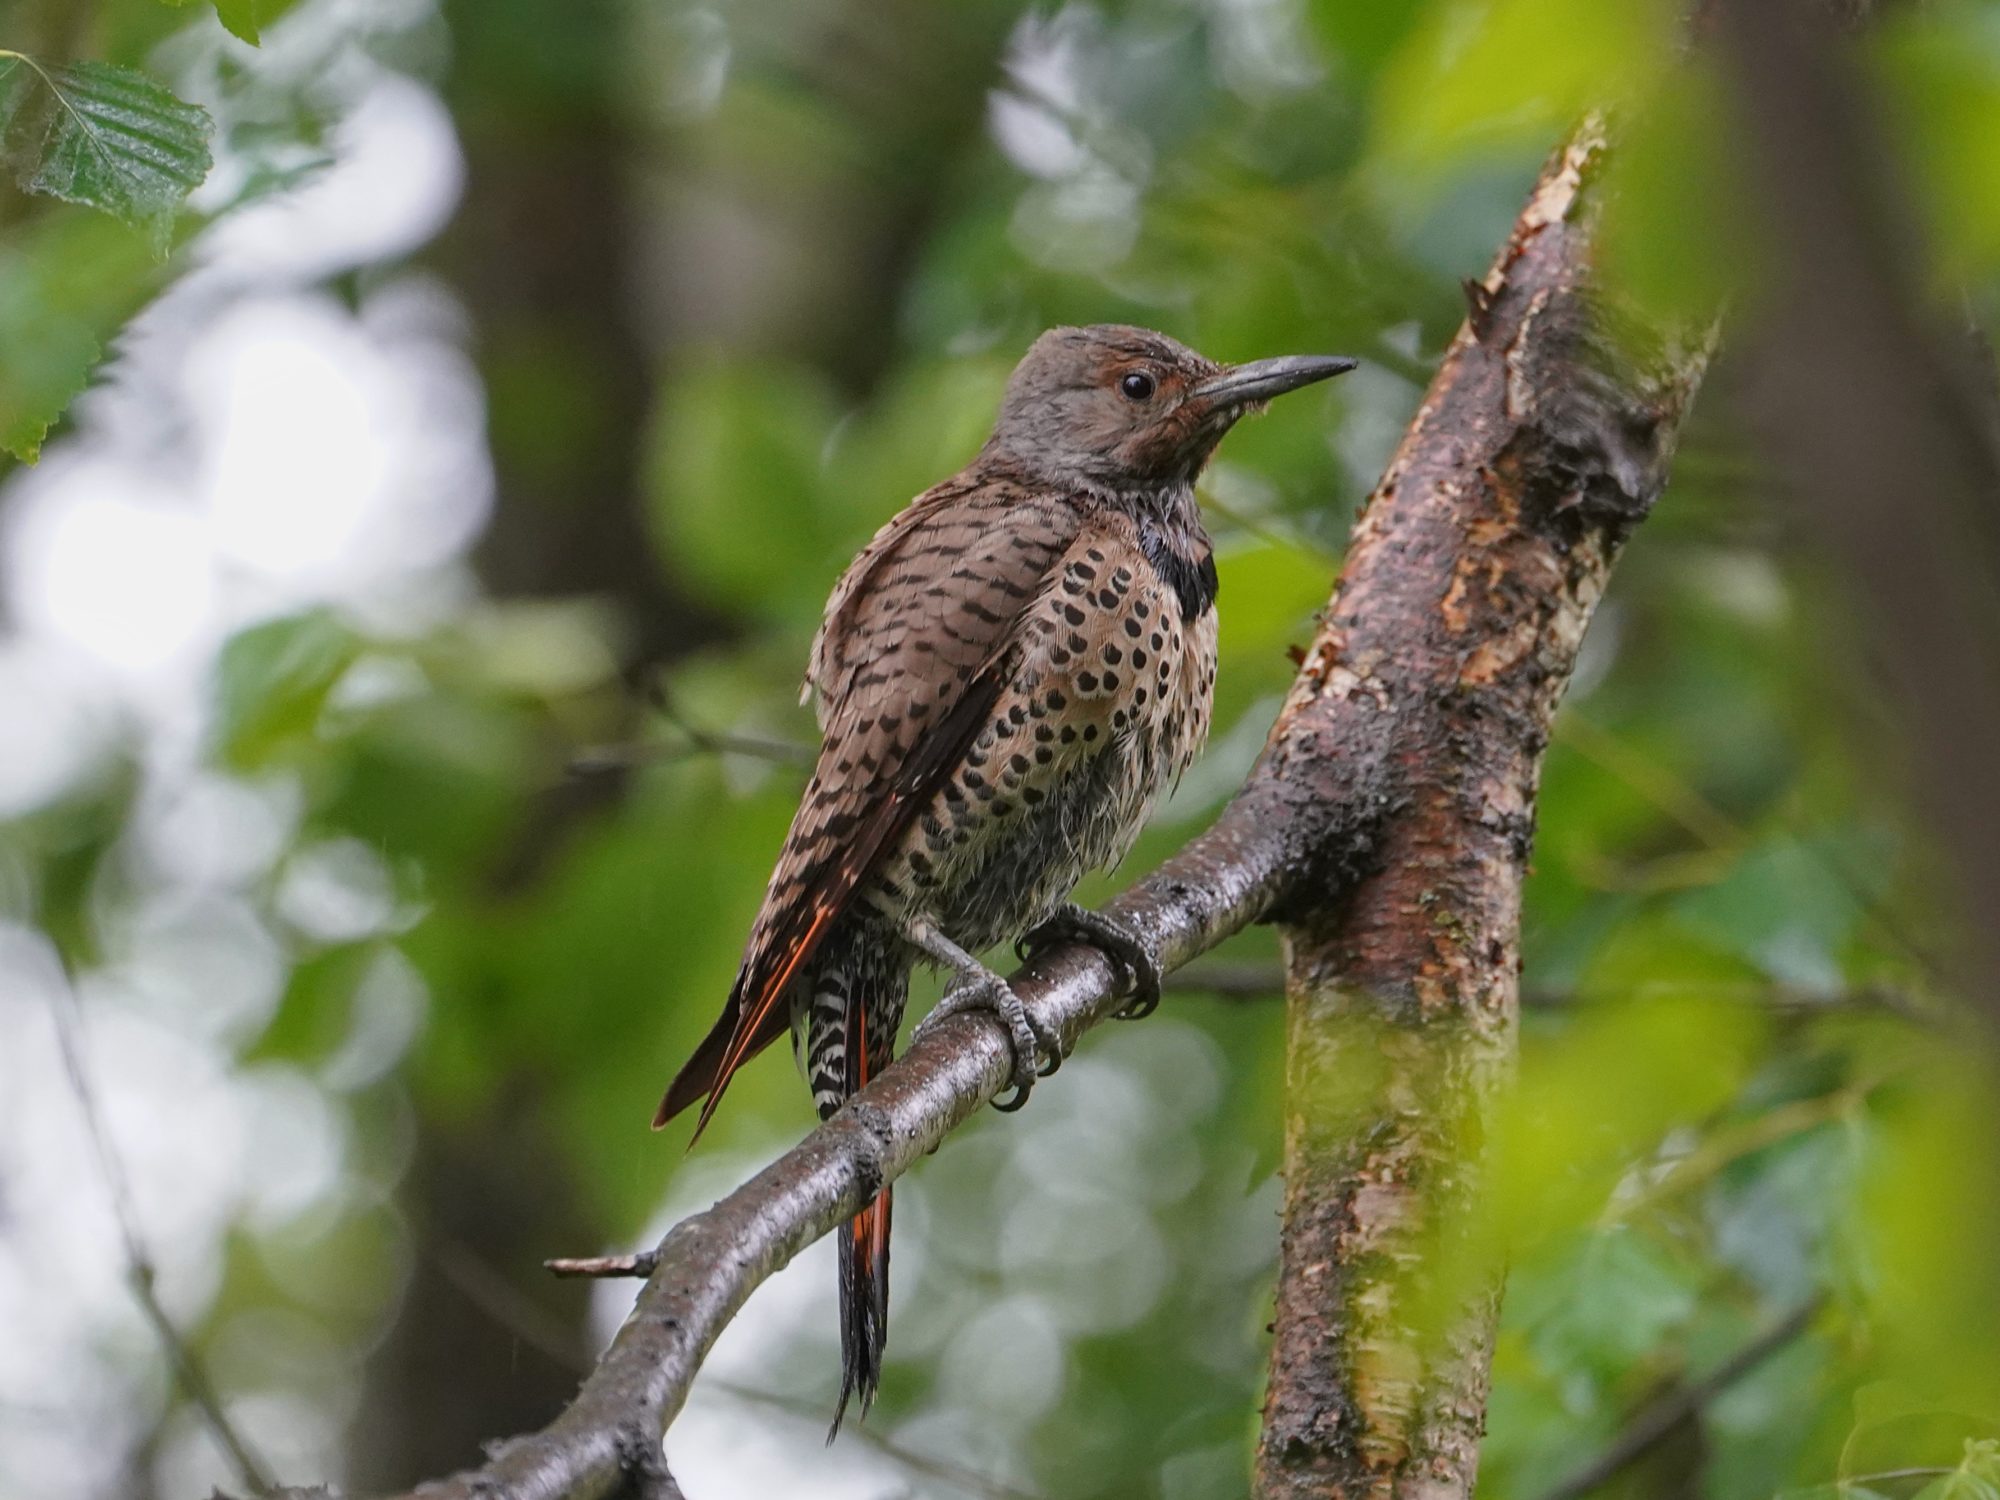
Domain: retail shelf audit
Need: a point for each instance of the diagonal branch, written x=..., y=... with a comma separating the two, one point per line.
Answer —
x=708, y=1265
x=1658, y=1421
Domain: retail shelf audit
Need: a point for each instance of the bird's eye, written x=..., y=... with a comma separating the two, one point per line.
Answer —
x=1136, y=386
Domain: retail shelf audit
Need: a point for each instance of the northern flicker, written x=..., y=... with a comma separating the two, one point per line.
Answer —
x=1007, y=677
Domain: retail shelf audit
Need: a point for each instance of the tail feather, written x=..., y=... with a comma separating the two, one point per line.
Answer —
x=727, y=1046
x=855, y=1011
x=864, y=1306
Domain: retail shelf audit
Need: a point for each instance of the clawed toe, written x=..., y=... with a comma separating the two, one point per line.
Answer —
x=1139, y=973
x=1030, y=1043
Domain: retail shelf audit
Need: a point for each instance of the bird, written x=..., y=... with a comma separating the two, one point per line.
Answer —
x=1006, y=679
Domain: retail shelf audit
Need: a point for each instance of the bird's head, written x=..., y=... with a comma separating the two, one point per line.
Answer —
x=1125, y=407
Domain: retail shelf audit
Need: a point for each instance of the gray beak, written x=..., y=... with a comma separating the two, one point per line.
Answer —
x=1262, y=379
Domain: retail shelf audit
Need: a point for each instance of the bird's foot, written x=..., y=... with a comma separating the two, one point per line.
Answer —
x=1116, y=940
x=988, y=992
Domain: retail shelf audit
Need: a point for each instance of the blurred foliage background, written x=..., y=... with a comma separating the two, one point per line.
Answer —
x=517, y=382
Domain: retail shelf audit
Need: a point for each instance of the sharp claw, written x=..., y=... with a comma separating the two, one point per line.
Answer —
x=994, y=996
x=1136, y=970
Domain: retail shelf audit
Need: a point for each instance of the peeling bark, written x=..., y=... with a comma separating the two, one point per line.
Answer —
x=1544, y=439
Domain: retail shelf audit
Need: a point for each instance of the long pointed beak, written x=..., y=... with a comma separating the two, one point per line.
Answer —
x=1262, y=379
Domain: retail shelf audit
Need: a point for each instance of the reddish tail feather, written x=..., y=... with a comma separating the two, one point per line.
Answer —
x=864, y=1305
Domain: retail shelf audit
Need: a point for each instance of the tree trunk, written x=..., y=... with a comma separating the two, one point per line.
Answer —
x=1542, y=442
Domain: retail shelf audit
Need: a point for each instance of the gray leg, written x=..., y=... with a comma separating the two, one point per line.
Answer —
x=1070, y=923
x=979, y=988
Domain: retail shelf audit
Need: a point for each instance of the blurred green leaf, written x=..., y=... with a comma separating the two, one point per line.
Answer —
x=66, y=283
x=1486, y=75
x=244, y=18
x=248, y=18
x=1273, y=589
x=1610, y=1304
x=106, y=137
x=1942, y=81
x=738, y=483
x=1786, y=908
x=1674, y=166
x=272, y=682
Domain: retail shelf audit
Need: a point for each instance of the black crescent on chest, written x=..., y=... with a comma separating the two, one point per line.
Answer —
x=1193, y=580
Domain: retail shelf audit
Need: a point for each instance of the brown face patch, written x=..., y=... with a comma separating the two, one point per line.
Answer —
x=1070, y=404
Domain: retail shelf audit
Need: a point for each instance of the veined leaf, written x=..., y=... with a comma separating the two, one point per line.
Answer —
x=102, y=136
x=67, y=281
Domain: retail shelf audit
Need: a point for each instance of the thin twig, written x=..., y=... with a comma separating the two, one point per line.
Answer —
x=1244, y=980
x=1654, y=1423
x=139, y=1269
x=956, y=1475
x=1921, y=1472
x=695, y=739
x=487, y=1288
x=640, y=1265
x=1248, y=981
x=594, y=760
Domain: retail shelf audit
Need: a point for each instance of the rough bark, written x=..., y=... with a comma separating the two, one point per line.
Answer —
x=1543, y=440
x=1387, y=823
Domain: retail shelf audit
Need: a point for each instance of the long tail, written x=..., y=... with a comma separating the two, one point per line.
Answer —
x=856, y=1005
x=864, y=1306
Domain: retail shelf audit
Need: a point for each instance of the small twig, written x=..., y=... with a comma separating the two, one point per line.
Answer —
x=640, y=1265
x=695, y=740
x=956, y=1475
x=1249, y=980
x=489, y=1290
x=1881, y=1474
x=594, y=760
x=139, y=1269
x=1654, y=1423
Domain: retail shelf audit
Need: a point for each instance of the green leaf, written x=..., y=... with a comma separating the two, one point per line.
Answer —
x=1490, y=75
x=272, y=682
x=66, y=283
x=740, y=490
x=105, y=137
x=244, y=18
x=1976, y=1478
x=1618, y=1297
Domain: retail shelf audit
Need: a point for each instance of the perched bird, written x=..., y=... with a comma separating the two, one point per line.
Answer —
x=1007, y=676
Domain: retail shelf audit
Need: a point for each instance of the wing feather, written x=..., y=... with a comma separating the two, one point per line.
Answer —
x=915, y=649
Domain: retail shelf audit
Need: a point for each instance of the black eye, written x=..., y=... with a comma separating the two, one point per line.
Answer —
x=1136, y=386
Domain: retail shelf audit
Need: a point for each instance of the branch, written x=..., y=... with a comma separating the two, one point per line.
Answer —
x=707, y=1266
x=139, y=1271
x=1655, y=1423
x=1543, y=441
